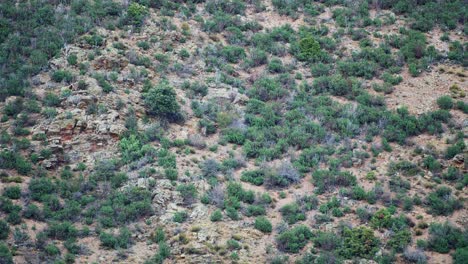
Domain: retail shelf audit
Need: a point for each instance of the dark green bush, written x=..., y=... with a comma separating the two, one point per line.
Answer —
x=256, y=177
x=442, y=202
x=125, y=206
x=335, y=85
x=62, y=231
x=445, y=102
x=276, y=66
x=51, y=99
x=326, y=180
x=216, y=216
x=122, y=240
x=40, y=188
x=72, y=59
x=309, y=49
x=327, y=241
x=267, y=89
x=455, y=149
x=257, y=58
x=161, y=101
x=12, y=192
x=320, y=69
x=136, y=14
x=255, y=210
x=292, y=213
x=233, y=7
x=399, y=240
x=359, y=242
x=285, y=175
x=263, y=224
x=444, y=236
x=180, y=217
x=4, y=230
x=233, y=54
x=5, y=255
x=188, y=192
x=294, y=239
x=460, y=255
x=432, y=164
x=62, y=75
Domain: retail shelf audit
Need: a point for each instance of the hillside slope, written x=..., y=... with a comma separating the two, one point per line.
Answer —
x=226, y=131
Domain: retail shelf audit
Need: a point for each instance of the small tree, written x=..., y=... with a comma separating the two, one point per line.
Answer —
x=161, y=101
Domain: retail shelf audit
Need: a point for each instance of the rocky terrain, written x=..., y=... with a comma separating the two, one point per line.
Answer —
x=225, y=131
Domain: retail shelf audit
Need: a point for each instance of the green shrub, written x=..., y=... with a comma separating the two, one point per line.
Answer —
x=62, y=231
x=180, y=217
x=441, y=202
x=276, y=66
x=4, y=230
x=381, y=219
x=122, y=240
x=125, y=206
x=103, y=83
x=52, y=250
x=233, y=54
x=159, y=235
x=216, y=216
x=136, y=14
x=188, y=192
x=256, y=177
x=460, y=255
x=51, y=99
x=359, y=242
x=14, y=218
x=263, y=224
x=445, y=102
x=320, y=69
x=5, y=255
x=40, y=188
x=361, y=68
x=267, y=89
x=455, y=149
x=257, y=58
x=72, y=59
x=233, y=244
x=293, y=240
x=32, y=212
x=161, y=101
x=335, y=85
x=326, y=180
x=292, y=213
x=399, y=240
x=62, y=75
x=309, y=49
x=327, y=241
x=255, y=210
x=284, y=7
x=232, y=213
x=12, y=192
x=432, y=164
x=233, y=7
x=444, y=236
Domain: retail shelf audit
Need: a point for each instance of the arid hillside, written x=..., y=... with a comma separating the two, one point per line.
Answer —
x=229, y=131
